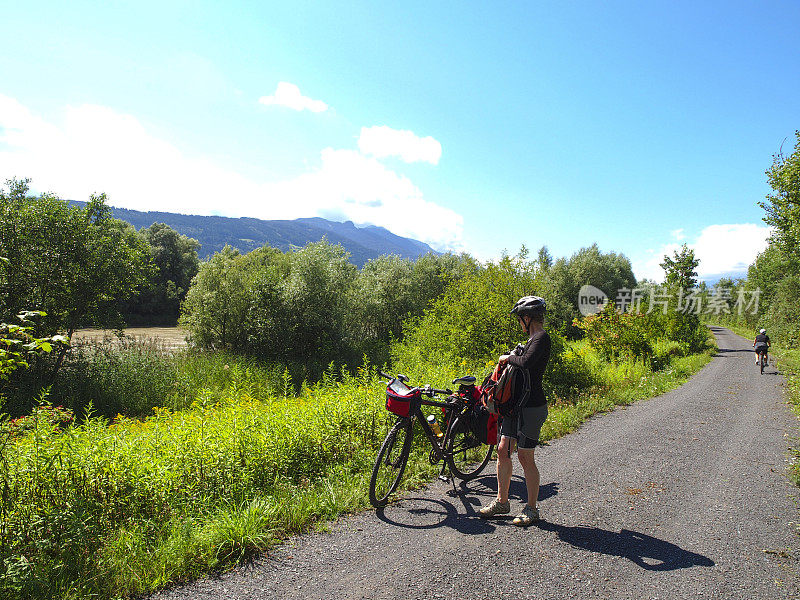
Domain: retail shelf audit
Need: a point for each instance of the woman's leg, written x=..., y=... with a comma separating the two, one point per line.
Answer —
x=504, y=467
x=528, y=462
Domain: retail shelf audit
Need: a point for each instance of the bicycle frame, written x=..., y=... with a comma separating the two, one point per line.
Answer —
x=450, y=409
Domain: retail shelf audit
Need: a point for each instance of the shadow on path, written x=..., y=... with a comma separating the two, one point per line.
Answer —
x=429, y=513
x=649, y=553
x=486, y=485
x=722, y=351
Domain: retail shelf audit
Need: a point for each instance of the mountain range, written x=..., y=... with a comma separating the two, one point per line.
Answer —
x=246, y=234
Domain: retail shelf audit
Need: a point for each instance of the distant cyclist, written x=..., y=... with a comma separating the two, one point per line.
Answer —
x=761, y=344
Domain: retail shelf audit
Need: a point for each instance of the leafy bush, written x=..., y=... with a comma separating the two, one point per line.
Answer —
x=469, y=326
x=588, y=266
x=617, y=336
x=568, y=373
x=471, y=320
x=664, y=351
x=783, y=315
x=311, y=306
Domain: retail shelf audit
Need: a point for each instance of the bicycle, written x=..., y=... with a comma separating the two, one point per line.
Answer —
x=455, y=448
x=762, y=360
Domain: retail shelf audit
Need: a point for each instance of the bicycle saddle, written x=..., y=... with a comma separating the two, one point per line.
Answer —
x=465, y=380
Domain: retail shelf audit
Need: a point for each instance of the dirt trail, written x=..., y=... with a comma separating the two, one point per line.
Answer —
x=681, y=496
x=167, y=337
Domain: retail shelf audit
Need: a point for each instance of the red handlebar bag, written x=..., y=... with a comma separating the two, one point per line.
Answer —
x=400, y=397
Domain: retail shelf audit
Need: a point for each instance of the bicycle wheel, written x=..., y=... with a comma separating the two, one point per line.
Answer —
x=762, y=361
x=466, y=455
x=391, y=462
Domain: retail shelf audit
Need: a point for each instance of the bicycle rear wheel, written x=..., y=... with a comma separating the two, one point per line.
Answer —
x=762, y=361
x=466, y=455
x=391, y=462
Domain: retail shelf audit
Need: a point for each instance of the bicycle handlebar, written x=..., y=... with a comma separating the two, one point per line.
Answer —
x=433, y=391
x=427, y=389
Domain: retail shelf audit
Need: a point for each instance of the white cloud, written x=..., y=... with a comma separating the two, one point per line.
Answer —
x=366, y=191
x=288, y=95
x=382, y=141
x=97, y=149
x=725, y=248
x=678, y=234
x=721, y=249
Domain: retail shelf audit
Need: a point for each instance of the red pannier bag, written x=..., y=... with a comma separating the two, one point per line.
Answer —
x=482, y=422
x=399, y=398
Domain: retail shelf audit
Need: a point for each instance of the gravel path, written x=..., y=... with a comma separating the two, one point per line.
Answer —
x=680, y=496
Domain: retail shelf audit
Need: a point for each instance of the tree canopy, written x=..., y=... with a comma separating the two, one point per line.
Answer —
x=75, y=264
x=680, y=270
x=783, y=204
x=175, y=263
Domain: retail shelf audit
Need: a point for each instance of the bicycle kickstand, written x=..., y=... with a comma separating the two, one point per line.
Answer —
x=442, y=476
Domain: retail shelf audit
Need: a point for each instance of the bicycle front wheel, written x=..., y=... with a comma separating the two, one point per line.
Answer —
x=391, y=462
x=466, y=455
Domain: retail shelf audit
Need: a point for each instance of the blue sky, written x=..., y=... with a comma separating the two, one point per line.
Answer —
x=475, y=127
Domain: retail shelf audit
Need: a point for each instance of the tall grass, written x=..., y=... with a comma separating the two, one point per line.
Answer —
x=131, y=377
x=106, y=509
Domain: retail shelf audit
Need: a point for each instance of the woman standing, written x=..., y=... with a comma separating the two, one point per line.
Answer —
x=522, y=431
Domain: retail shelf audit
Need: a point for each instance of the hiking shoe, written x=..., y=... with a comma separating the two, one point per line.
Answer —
x=528, y=516
x=495, y=508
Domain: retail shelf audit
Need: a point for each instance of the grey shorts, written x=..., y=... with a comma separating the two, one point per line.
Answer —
x=525, y=427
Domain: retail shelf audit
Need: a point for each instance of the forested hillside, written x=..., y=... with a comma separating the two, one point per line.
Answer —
x=246, y=234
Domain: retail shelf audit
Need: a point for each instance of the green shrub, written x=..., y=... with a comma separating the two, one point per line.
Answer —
x=617, y=336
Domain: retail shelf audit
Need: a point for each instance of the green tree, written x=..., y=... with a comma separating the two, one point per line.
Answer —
x=544, y=259
x=390, y=289
x=315, y=299
x=681, y=269
x=291, y=307
x=383, y=296
x=13, y=247
x=680, y=275
x=75, y=264
x=217, y=304
x=176, y=262
x=471, y=320
x=607, y=271
x=783, y=204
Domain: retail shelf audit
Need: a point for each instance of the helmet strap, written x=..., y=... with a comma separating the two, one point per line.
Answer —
x=526, y=322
